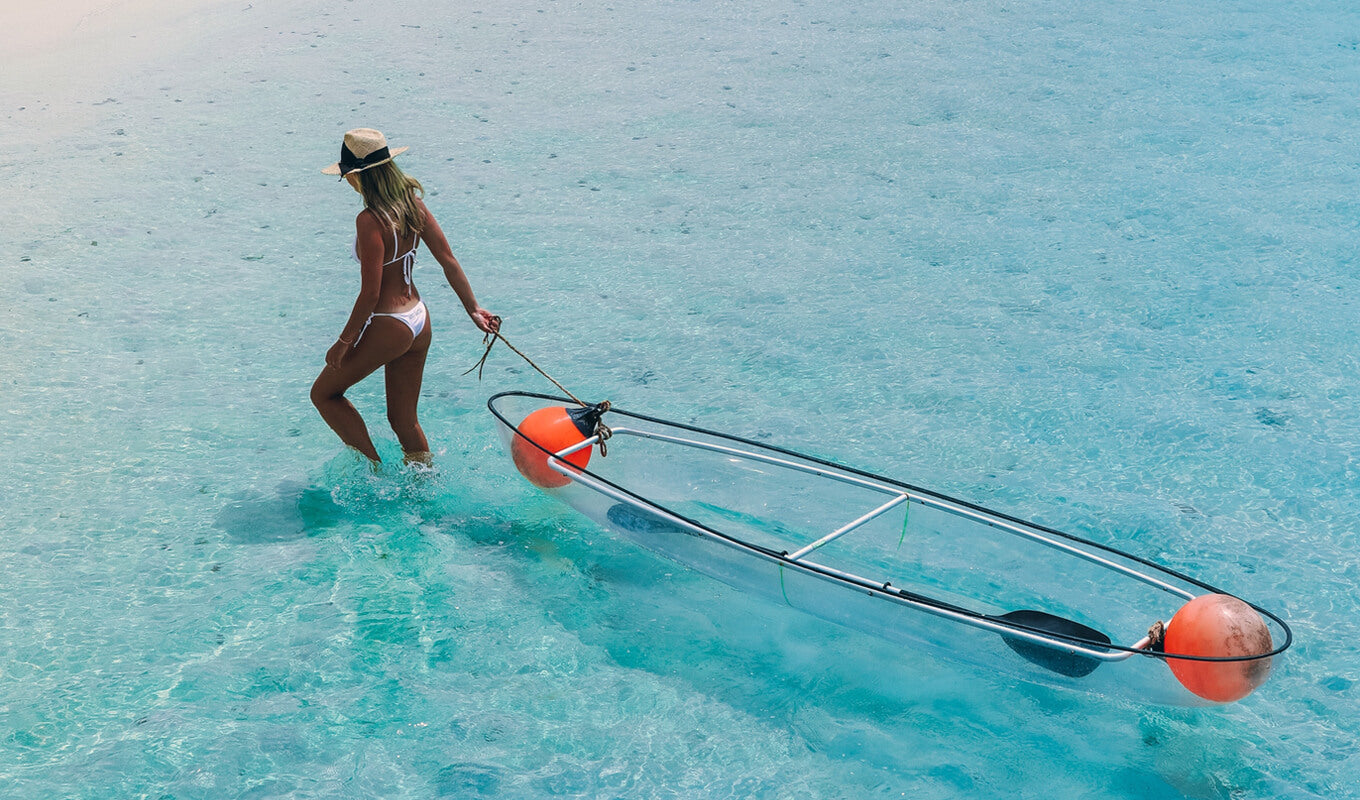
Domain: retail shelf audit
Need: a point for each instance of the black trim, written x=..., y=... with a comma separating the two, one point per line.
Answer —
x=587, y=419
x=783, y=560
x=352, y=163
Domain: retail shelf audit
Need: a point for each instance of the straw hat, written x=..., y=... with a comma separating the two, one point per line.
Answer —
x=362, y=148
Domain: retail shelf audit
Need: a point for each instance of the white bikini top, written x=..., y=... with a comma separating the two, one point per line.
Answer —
x=407, y=259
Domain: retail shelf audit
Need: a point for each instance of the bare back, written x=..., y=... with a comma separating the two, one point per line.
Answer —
x=379, y=246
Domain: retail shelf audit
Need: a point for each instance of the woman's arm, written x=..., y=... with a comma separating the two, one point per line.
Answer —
x=368, y=235
x=453, y=272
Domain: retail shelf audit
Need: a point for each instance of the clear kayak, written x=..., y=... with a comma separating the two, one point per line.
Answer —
x=888, y=558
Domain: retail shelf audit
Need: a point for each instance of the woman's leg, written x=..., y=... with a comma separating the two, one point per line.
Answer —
x=384, y=340
x=403, y=377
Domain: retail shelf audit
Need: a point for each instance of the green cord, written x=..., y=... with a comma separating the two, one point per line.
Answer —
x=905, y=518
x=781, y=586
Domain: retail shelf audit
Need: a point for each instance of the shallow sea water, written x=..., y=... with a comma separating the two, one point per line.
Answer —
x=1093, y=266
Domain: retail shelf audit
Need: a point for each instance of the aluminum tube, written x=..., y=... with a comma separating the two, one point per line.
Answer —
x=891, y=504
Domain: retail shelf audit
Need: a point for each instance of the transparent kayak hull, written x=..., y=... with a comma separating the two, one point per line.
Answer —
x=893, y=560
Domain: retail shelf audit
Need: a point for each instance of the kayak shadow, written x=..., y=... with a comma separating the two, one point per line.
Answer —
x=295, y=511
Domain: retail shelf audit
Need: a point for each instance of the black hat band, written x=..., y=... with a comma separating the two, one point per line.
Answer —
x=352, y=163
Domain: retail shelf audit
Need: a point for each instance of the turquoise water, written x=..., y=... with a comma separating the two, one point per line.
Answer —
x=1091, y=265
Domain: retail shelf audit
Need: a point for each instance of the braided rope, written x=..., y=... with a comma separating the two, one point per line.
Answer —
x=602, y=430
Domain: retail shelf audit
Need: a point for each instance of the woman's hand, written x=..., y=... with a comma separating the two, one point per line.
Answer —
x=485, y=320
x=337, y=353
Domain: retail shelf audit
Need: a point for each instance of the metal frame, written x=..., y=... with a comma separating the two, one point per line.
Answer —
x=796, y=560
x=836, y=534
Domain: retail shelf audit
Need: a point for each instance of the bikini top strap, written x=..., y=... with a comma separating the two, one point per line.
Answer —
x=407, y=259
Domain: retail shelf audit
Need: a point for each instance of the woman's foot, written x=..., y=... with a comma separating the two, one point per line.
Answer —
x=422, y=458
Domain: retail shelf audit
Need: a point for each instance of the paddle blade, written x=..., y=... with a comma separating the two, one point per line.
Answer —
x=636, y=520
x=1063, y=662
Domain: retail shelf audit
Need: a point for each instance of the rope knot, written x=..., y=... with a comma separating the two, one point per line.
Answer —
x=1156, y=634
x=589, y=421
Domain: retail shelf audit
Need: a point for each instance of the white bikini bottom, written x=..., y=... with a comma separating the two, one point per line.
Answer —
x=414, y=318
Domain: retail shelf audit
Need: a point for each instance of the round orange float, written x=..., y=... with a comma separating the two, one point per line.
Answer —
x=1218, y=626
x=554, y=429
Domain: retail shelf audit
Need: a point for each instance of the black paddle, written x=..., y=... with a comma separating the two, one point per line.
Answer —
x=1063, y=662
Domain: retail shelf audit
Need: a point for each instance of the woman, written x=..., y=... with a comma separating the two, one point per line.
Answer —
x=389, y=326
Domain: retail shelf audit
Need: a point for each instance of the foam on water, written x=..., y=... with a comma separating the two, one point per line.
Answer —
x=1091, y=266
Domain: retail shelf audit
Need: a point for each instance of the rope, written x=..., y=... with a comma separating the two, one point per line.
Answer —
x=602, y=430
x=490, y=341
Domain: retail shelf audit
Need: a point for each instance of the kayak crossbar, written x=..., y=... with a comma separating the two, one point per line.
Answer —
x=888, y=506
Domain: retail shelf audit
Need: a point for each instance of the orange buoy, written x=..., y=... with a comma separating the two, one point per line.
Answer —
x=554, y=429
x=1218, y=626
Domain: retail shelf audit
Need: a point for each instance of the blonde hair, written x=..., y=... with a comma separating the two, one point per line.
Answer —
x=391, y=194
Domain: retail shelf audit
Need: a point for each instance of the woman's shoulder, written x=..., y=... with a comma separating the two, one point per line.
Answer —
x=367, y=219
